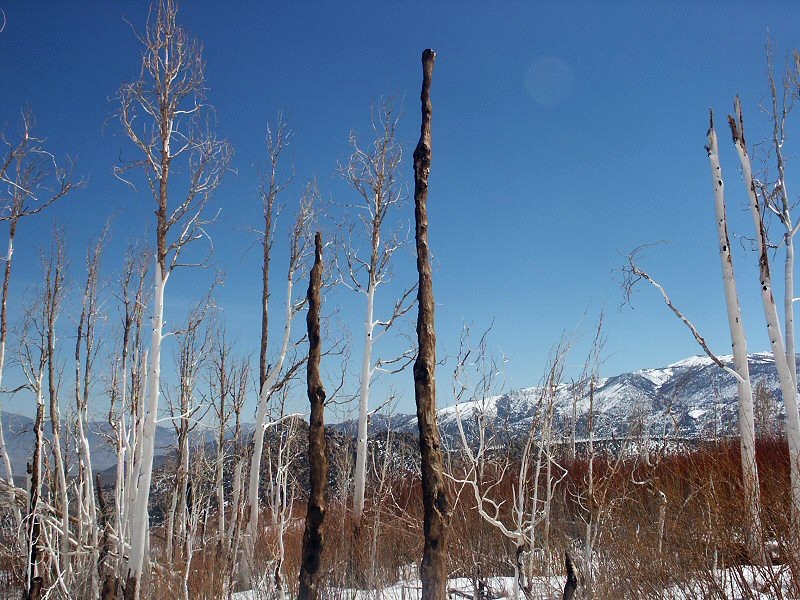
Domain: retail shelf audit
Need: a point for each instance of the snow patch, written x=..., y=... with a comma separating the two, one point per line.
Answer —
x=656, y=376
x=698, y=412
x=696, y=361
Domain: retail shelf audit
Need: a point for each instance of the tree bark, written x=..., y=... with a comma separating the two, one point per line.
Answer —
x=33, y=580
x=788, y=390
x=3, y=337
x=572, y=581
x=313, y=539
x=747, y=432
x=436, y=504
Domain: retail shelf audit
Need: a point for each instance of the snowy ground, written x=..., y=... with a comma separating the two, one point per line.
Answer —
x=548, y=588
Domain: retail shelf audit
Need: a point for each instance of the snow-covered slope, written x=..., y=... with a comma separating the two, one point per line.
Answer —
x=690, y=398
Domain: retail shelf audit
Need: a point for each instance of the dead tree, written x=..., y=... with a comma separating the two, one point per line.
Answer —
x=436, y=503
x=32, y=180
x=85, y=353
x=784, y=364
x=532, y=496
x=373, y=173
x=125, y=414
x=165, y=114
x=194, y=343
x=54, y=291
x=36, y=345
x=747, y=431
x=270, y=186
x=282, y=370
x=313, y=538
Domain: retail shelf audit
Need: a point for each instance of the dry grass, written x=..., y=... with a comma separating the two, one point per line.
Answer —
x=703, y=532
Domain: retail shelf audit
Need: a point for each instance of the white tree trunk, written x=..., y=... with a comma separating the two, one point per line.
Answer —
x=140, y=517
x=747, y=439
x=788, y=389
x=360, y=480
x=119, y=487
x=220, y=484
x=135, y=451
x=235, y=505
x=90, y=503
x=246, y=575
x=788, y=307
x=3, y=449
x=61, y=479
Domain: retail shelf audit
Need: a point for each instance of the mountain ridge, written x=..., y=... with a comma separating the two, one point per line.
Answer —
x=692, y=398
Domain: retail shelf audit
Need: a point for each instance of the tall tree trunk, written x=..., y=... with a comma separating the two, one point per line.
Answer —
x=3, y=337
x=360, y=479
x=140, y=515
x=61, y=477
x=747, y=432
x=788, y=389
x=433, y=571
x=310, y=569
x=251, y=531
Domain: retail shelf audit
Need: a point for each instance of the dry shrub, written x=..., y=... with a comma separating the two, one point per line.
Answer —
x=702, y=551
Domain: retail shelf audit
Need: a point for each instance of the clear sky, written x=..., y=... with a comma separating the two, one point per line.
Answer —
x=564, y=134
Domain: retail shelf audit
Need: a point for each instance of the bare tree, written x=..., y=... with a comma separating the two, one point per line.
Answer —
x=740, y=370
x=313, y=538
x=86, y=347
x=126, y=416
x=532, y=500
x=280, y=372
x=433, y=571
x=165, y=115
x=240, y=374
x=747, y=432
x=271, y=184
x=37, y=345
x=52, y=298
x=194, y=343
x=282, y=453
x=785, y=365
x=32, y=180
x=221, y=385
x=373, y=174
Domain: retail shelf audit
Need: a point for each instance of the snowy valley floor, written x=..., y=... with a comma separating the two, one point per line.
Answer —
x=731, y=584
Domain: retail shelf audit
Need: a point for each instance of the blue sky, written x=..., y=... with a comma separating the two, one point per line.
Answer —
x=564, y=135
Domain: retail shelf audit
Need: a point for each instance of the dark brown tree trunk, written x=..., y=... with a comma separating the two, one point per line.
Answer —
x=35, y=593
x=34, y=527
x=572, y=581
x=433, y=571
x=109, y=589
x=310, y=571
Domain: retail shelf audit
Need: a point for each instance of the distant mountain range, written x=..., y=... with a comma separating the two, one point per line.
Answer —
x=692, y=398
x=18, y=431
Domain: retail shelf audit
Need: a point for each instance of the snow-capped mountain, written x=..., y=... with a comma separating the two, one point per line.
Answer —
x=692, y=398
